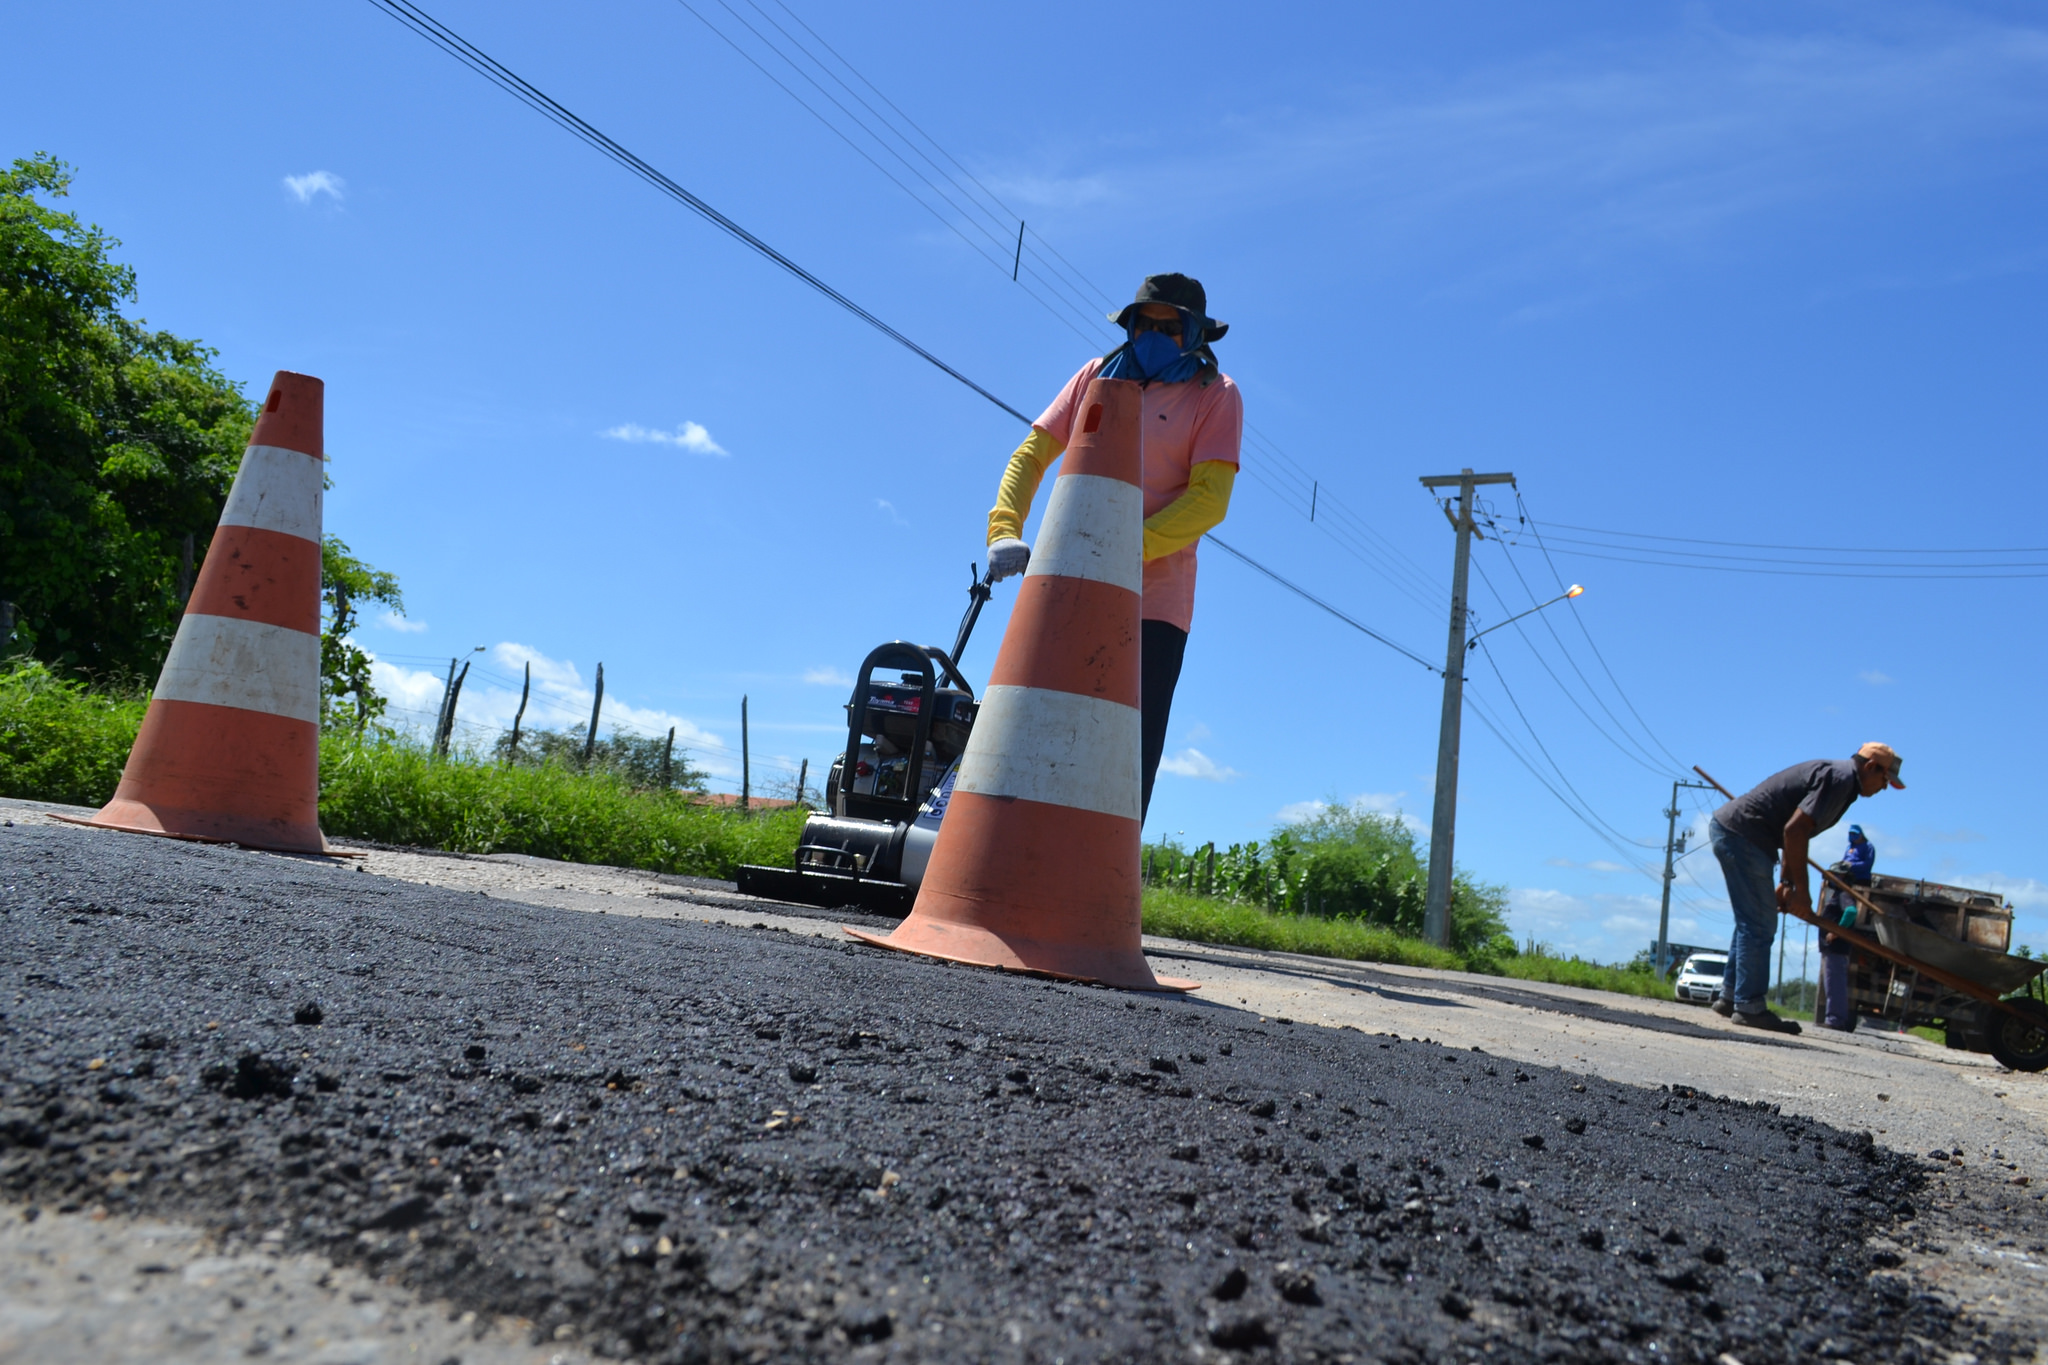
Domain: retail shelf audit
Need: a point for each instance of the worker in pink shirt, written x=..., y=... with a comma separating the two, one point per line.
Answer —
x=1193, y=423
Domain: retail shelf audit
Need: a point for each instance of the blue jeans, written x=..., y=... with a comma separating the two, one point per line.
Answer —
x=1752, y=895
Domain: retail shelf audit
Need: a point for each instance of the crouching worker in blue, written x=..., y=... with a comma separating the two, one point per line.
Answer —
x=1782, y=812
x=1839, y=907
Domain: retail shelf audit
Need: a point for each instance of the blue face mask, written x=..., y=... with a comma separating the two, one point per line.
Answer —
x=1154, y=352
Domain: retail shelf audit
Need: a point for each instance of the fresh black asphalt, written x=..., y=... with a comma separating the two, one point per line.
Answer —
x=675, y=1141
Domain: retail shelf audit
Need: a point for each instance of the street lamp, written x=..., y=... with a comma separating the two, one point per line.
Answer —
x=1573, y=591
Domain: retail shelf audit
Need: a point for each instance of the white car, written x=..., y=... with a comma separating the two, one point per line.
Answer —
x=1700, y=977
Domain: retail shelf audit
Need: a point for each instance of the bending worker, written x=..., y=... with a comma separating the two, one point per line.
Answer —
x=1193, y=423
x=1784, y=811
x=1838, y=907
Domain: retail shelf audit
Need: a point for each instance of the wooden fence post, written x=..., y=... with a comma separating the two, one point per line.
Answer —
x=441, y=717
x=512, y=750
x=441, y=741
x=668, y=760
x=596, y=704
x=803, y=776
x=746, y=767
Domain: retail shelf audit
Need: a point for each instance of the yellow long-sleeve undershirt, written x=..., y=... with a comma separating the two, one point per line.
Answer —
x=1173, y=527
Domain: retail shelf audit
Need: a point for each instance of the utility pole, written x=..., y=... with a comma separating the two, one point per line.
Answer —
x=1674, y=844
x=746, y=765
x=1436, y=915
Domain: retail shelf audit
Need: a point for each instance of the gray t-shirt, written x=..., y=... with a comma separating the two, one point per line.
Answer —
x=1822, y=788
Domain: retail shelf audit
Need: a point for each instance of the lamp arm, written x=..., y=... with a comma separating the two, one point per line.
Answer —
x=1520, y=614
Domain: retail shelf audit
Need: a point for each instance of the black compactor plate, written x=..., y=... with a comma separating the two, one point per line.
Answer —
x=827, y=890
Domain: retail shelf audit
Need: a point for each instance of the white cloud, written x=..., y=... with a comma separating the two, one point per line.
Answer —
x=318, y=182
x=1874, y=678
x=2025, y=893
x=885, y=506
x=391, y=620
x=1197, y=733
x=409, y=691
x=690, y=436
x=828, y=677
x=1196, y=764
x=1607, y=927
x=1366, y=803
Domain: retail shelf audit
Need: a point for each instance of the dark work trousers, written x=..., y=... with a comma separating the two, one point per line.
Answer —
x=1163, y=645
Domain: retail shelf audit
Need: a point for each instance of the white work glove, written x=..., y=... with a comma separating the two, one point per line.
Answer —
x=1007, y=556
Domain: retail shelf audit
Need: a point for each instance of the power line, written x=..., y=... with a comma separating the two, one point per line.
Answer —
x=1619, y=690
x=862, y=152
x=445, y=38
x=1903, y=576
x=1366, y=544
x=1755, y=545
x=1545, y=751
x=1654, y=763
x=1479, y=709
x=1076, y=278
x=1522, y=631
x=1831, y=562
x=1297, y=589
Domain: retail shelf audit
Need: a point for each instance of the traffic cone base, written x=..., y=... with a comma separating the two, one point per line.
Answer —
x=229, y=750
x=262, y=796
x=1000, y=845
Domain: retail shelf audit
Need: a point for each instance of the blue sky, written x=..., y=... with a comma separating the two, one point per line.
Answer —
x=1767, y=274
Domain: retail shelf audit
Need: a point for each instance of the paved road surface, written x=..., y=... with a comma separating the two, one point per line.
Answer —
x=692, y=1140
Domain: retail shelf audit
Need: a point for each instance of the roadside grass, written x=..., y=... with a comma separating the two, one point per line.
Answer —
x=398, y=793
x=64, y=742
x=1205, y=919
x=1202, y=919
x=60, y=741
x=1572, y=971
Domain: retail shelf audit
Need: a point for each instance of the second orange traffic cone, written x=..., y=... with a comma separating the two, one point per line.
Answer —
x=229, y=750
x=1036, y=868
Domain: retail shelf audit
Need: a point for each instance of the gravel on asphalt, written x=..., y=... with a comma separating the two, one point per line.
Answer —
x=672, y=1141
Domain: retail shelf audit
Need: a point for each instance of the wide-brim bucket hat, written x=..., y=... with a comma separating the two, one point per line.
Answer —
x=1176, y=291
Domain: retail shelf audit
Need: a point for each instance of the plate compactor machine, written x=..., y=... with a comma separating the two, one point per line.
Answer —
x=886, y=795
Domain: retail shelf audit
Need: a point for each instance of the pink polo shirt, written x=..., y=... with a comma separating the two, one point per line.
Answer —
x=1185, y=424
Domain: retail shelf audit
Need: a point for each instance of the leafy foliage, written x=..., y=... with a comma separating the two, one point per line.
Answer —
x=1538, y=962
x=1341, y=863
x=116, y=442
x=60, y=741
x=347, y=700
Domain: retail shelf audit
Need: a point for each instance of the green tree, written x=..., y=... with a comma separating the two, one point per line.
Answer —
x=116, y=443
x=347, y=700
x=1370, y=866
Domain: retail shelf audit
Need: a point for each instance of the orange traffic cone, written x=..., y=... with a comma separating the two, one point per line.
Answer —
x=1036, y=868
x=230, y=748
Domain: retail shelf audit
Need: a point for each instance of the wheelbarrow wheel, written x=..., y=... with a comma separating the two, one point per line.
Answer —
x=2023, y=1047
